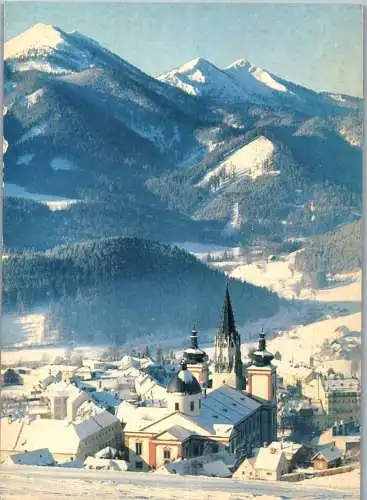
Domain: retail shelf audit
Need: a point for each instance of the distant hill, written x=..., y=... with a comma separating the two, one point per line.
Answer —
x=116, y=288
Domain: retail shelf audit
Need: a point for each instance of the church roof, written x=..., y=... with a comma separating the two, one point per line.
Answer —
x=225, y=407
x=184, y=382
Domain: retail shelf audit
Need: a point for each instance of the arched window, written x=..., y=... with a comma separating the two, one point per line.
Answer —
x=177, y=406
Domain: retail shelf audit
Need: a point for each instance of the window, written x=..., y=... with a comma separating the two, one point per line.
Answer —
x=199, y=403
x=138, y=448
x=192, y=406
x=177, y=406
x=138, y=465
x=215, y=448
x=167, y=454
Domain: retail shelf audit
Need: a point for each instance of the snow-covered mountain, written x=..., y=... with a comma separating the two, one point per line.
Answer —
x=152, y=156
x=242, y=81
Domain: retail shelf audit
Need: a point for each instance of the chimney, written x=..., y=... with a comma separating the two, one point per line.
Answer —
x=265, y=444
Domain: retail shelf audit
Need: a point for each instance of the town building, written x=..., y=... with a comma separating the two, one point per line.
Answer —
x=66, y=440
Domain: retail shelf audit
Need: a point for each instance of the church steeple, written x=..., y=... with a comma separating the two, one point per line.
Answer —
x=227, y=325
x=228, y=367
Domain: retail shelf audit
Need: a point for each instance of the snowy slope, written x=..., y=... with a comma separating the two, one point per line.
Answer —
x=253, y=160
x=41, y=483
x=253, y=79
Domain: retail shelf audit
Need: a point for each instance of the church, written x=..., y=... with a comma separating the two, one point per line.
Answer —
x=203, y=412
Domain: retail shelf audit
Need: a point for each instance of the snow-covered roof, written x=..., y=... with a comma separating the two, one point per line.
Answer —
x=35, y=457
x=288, y=447
x=105, y=398
x=329, y=452
x=149, y=388
x=268, y=458
x=177, y=432
x=64, y=389
x=225, y=407
x=341, y=385
x=137, y=417
x=59, y=436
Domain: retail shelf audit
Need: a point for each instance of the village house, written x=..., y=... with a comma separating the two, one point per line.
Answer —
x=327, y=457
x=65, y=400
x=267, y=463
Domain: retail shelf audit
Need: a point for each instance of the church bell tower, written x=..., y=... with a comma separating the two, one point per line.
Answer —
x=228, y=368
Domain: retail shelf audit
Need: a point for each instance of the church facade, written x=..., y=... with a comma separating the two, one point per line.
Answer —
x=203, y=413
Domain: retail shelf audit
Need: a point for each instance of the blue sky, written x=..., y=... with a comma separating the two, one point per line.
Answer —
x=316, y=45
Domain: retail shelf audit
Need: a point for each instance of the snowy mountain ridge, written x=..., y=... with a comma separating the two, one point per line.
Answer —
x=239, y=80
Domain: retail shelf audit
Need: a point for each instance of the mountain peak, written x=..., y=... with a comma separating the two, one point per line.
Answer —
x=240, y=63
x=40, y=36
x=197, y=63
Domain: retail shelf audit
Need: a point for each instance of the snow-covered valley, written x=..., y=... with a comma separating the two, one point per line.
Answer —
x=309, y=318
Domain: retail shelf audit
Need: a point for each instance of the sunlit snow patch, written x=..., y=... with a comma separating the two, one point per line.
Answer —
x=34, y=97
x=33, y=132
x=25, y=159
x=54, y=203
x=61, y=164
x=253, y=160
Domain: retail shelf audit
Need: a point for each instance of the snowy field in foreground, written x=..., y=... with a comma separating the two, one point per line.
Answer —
x=46, y=483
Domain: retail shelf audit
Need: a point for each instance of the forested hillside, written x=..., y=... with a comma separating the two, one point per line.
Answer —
x=339, y=251
x=124, y=287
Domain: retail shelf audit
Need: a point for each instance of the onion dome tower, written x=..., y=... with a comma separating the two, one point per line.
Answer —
x=184, y=392
x=197, y=360
x=261, y=373
x=261, y=357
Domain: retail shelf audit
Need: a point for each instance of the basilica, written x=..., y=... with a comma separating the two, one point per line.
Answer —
x=208, y=407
